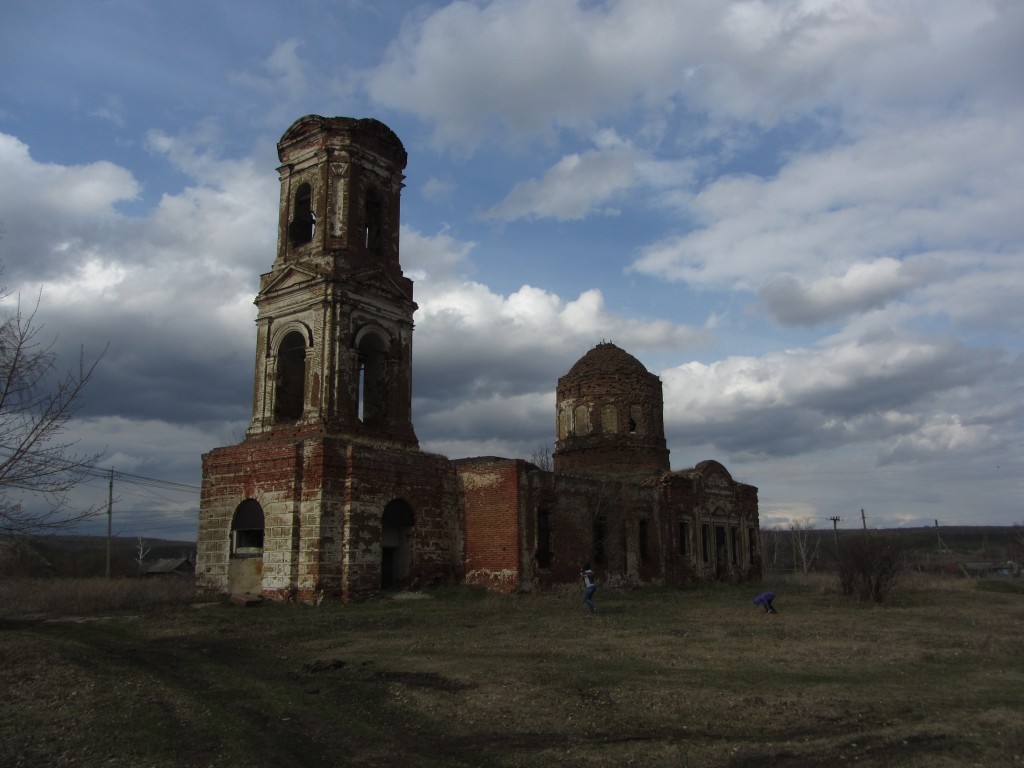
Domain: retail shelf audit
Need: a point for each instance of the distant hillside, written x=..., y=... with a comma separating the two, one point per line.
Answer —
x=87, y=555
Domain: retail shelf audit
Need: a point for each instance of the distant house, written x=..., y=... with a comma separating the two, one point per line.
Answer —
x=1009, y=568
x=19, y=558
x=171, y=566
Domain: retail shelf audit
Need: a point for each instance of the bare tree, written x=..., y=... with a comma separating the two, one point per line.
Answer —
x=38, y=398
x=805, y=546
x=141, y=551
x=541, y=457
x=771, y=546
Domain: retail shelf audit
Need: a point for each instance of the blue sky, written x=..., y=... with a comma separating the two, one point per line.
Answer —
x=803, y=215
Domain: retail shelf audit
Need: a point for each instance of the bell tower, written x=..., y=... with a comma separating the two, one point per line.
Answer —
x=334, y=323
x=329, y=494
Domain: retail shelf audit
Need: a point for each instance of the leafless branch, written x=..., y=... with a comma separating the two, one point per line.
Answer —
x=38, y=398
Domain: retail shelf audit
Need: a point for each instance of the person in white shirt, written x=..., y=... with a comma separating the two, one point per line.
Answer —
x=589, y=587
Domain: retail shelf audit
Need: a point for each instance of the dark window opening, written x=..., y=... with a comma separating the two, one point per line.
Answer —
x=247, y=530
x=543, y=538
x=635, y=419
x=735, y=531
x=397, y=513
x=303, y=218
x=291, y=378
x=372, y=221
x=600, y=554
x=721, y=554
x=372, y=398
x=705, y=542
x=396, y=528
x=684, y=539
x=641, y=541
x=752, y=544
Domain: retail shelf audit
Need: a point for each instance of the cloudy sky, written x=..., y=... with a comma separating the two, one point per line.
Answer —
x=806, y=216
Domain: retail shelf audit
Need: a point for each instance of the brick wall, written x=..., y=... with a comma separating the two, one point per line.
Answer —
x=492, y=508
x=323, y=499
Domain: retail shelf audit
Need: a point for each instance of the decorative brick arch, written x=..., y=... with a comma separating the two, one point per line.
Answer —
x=374, y=347
x=291, y=345
x=245, y=566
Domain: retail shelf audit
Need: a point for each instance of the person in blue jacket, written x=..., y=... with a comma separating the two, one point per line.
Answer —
x=765, y=600
x=589, y=587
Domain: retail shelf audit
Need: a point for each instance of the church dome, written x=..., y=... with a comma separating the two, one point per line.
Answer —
x=609, y=415
x=606, y=358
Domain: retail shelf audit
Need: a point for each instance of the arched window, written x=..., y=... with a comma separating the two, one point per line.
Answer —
x=372, y=402
x=247, y=530
x=303, y=218
x=582, y=420
x=372, y=216
x=291, y=377
x=635, y=419
x=609, y=419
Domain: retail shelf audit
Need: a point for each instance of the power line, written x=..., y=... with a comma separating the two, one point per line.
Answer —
x=96, y=471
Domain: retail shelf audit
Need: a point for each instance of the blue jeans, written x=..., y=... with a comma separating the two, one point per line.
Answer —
x=588, y=598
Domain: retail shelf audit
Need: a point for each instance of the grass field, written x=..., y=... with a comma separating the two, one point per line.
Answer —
x=660, y=677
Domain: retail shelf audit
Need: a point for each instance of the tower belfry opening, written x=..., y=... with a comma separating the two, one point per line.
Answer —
x=303, y=219
x=291, y=378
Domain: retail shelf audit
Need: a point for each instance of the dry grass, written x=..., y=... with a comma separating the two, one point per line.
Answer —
x=694, y=677
x=28, y=598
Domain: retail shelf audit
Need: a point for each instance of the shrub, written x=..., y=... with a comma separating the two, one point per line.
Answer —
x=870, y=565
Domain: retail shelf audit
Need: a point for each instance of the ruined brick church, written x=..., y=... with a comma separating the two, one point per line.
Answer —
x=330, y=496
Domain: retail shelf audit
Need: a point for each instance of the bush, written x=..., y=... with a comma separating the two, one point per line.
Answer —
x=870, y=565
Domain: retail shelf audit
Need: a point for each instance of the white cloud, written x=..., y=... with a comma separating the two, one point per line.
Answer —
x=896, y=394
x=824, y=237
x=47, y=209
x=436, y=189
x=429, y=259
x=532, y=64
x=283, y=77
x=485, y=362
x=529, y=66
x=793, y=301
x=573, y=188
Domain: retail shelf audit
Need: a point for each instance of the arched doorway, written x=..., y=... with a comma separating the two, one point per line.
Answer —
x=245, y=566
x=396, y=526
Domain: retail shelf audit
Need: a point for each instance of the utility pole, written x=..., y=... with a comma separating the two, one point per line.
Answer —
x=863, y=520
x=110, y=514
x=835, y=536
